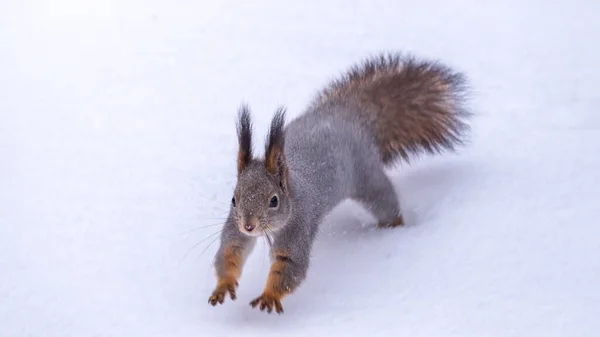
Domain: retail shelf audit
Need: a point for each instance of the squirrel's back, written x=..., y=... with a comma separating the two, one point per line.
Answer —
x=409, y=106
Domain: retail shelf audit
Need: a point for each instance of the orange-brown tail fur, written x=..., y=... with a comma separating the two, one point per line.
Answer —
x=413, y=106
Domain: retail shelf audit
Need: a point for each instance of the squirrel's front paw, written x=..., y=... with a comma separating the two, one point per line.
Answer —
x=268, y=301
x=224, y=287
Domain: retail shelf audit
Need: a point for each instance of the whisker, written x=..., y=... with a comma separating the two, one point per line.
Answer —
x=210, y=244
x=268, y=235
x=265, y=238
x=268, y=247
x=262, y=265
x=222, y=210
x=202, y=227
x=196, y=245
x=270, y=238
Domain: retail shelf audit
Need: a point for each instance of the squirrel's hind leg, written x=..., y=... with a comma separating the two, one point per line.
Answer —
x=377, y=194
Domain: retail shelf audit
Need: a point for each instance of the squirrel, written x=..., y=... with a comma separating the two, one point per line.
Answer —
x=383, y=109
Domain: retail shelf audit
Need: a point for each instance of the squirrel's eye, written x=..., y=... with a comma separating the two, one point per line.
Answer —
x=233, y=201
x=274, y=202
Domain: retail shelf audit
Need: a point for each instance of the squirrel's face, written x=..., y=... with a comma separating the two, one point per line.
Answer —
x=260, y=204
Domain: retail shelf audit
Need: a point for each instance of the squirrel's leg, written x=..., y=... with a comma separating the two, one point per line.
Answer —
x=229, y=261
x=379, y=197
x=290, y=257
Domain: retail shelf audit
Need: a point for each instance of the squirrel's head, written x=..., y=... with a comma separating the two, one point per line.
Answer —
x=260, y=203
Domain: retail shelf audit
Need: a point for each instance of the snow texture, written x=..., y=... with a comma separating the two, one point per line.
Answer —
x=117, y=151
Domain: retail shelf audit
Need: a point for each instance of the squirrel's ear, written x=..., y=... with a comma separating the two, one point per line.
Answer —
x=244, y=132
x=275, y=162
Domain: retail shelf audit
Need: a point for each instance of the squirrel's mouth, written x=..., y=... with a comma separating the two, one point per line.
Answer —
x=259, y=229
x=250, y=226
x=254, y=233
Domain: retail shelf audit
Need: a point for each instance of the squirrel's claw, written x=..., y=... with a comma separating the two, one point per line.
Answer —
x=398, y=222
x=218, y=296
x=268, y=302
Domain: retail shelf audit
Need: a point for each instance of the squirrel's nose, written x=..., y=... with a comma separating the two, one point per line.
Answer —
x=249, y=223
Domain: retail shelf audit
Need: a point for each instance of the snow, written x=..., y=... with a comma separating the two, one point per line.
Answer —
x=117, y=140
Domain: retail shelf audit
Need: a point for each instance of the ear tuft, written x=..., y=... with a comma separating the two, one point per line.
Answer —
x=244, y=132
x=274, y=152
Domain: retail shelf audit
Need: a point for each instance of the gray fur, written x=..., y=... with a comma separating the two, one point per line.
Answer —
x=331, y=153
x=320, y=177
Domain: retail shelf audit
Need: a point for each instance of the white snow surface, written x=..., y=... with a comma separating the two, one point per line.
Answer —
x=117, y=139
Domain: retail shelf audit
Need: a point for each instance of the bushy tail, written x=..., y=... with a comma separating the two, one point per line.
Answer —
x=412, y=106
